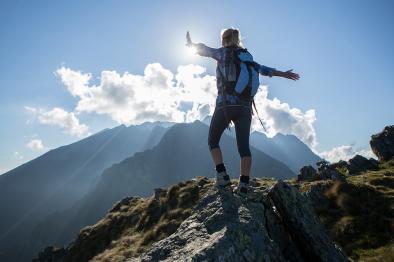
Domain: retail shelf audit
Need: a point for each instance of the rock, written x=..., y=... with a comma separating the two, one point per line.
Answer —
x=327, y=171
x=331, y=173
x=359, y=164
x=303, y=225
x=279, y=226
x=382, y=144
x=340, y=164
x=273, y=224
x=307, y=173
x=322, y=164
x=315, y=193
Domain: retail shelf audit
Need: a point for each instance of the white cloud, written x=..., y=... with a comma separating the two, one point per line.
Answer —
x=35, y=145
x=134, y=99
x=280, y=117
x=345, y=152
x=158, y=94
x=60, y=117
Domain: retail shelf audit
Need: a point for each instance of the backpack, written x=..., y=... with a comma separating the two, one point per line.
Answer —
x=240, y=76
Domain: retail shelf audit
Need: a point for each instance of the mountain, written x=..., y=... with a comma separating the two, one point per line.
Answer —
x=49, y=191
x=278, y=221
x=194, y=221
x=285, y=148
x=181, y=154
x=59, y=178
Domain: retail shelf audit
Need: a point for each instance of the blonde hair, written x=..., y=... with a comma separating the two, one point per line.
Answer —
x=230, y=37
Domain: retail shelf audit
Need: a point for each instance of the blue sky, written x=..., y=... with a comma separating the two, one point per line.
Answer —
x=343, y=51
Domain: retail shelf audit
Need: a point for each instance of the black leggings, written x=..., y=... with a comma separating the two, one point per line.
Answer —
x=241, y=116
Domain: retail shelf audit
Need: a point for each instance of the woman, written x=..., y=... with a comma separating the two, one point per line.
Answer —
x=230, y=107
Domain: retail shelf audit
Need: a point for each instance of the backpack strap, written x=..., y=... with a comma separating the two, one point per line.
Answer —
x=223, y=93
x=255, y=108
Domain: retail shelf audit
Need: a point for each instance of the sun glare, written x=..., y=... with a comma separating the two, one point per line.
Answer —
x=191, y=50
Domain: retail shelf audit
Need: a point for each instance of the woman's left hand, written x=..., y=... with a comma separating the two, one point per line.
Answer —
x=290, y=75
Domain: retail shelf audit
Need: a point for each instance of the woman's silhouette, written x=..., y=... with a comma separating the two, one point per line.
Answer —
x=231, y=106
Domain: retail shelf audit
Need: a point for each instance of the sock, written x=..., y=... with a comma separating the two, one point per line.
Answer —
x=244, y=179
x=220, y=168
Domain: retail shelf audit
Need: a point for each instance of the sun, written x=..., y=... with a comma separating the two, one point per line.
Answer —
x=191, y=50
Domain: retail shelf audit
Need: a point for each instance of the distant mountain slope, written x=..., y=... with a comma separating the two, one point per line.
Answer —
x=286, y=148
x=181, y=154
x=60, y=177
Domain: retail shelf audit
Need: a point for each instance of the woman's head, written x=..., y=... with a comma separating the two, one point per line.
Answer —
x=231, y=37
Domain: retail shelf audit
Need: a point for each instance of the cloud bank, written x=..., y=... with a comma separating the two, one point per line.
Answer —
x=280, y=117
x=345, y=152
x=158, y=94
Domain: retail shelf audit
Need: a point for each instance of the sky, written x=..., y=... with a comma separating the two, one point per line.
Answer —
x=72, y=68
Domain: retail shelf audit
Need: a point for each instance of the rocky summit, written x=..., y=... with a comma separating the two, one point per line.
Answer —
x=382, y=144
x=274, y=223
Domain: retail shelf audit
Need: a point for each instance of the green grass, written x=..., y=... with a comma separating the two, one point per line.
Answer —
x=359, y=217
x=132, y=225
x=360, y=214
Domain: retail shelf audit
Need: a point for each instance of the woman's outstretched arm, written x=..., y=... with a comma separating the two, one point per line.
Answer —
x=288, y=74
x=202, y=49
x=270, y=71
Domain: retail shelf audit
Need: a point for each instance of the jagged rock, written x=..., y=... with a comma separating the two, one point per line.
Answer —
x=382, y=144
x=280, y=226
x=51, y=254
x=307, y=173
x=359, y=164
x=303, y=225
x=271, y=224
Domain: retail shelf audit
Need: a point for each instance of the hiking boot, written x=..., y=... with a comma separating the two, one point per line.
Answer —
x=222, y=179
x=242, y=189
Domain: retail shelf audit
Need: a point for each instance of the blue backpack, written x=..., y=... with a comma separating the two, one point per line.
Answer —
x=240, y=76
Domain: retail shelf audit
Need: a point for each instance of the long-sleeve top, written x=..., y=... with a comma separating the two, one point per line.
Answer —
x=219, y=55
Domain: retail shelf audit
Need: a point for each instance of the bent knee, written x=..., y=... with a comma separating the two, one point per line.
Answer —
x=212, y=144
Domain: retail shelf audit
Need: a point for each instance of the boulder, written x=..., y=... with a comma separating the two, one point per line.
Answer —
x=382, y=144
x=327, y=171
x=331, y=173
x=340, y=164
x=358, y=164
x=303, y=225
x=307, y=173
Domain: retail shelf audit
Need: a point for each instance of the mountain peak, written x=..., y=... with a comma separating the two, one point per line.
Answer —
x=194, y=219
